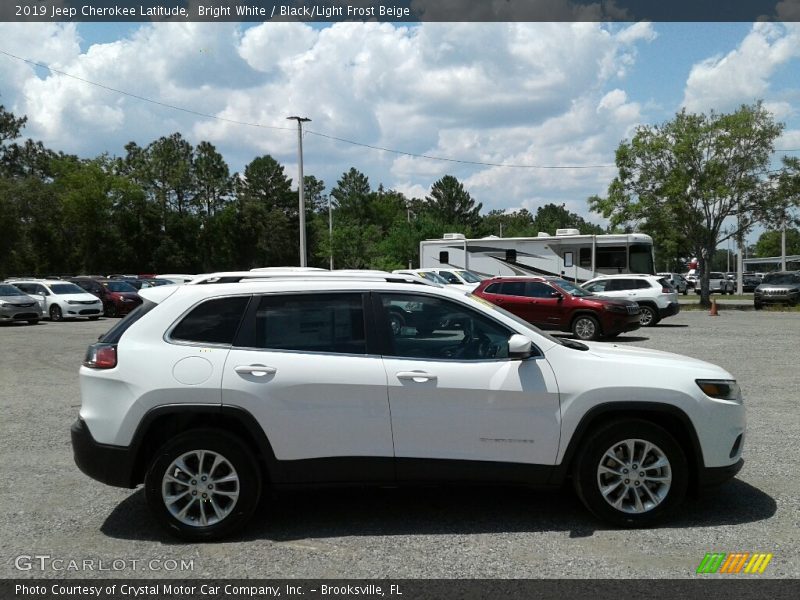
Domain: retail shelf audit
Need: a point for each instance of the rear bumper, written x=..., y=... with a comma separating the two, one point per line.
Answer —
x=673, y=308
x=112, y=465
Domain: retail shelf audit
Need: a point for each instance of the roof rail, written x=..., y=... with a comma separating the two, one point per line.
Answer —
x=351, y=274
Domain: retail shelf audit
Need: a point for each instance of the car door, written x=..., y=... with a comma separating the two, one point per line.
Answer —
x=545, y=309
x=300, y=366
x=459, y=405
x=512, y=297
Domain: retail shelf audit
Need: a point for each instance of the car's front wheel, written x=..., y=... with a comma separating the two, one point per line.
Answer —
x=586, y=327
x=55, y=313
x=630, y=472
x=203, y=485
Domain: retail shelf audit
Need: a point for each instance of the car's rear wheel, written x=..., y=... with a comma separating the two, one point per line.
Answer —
x=758, y=305
x=631, y=472
x=203, y=485
x=55, y=313
x=586, y=327
x=111, y=310
x=647, y=315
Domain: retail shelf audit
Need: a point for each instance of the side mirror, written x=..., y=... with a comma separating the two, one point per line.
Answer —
x=558, y=295
x=519, y=347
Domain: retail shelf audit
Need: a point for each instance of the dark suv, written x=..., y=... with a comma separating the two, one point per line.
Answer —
x=119, y=297
x=778, y=288
x=554, y=303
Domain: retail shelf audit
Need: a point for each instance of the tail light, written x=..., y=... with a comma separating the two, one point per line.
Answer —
x=101, y=356
x=665, y=290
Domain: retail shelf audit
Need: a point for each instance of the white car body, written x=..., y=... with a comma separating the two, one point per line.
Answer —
x=426, y=415
x=72, y=305
x=655, y=300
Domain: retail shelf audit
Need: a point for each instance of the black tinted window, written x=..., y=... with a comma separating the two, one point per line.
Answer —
x=513, y=288
x=492, y=289
x=212, y=322
x=536, y=289
x=312, y=323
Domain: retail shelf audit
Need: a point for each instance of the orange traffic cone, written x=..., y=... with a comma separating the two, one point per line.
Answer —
x=713, y=312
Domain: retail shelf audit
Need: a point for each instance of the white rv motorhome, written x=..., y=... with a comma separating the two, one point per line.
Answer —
x=567, y=254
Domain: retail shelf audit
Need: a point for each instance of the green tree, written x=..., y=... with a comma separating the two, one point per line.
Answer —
x=691, y=174
x=769, y=243
x=450, y=203
x=351, y=198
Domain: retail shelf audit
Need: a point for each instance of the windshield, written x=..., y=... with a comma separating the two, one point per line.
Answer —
x=7, y=289
x=641, y=259
x=430, y=276
x=120, y=286
x=66, y=288
x=469, y=276
x=571, y=288
x=782, y=278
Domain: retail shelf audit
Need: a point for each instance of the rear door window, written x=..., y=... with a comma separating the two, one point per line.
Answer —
x=332, y=323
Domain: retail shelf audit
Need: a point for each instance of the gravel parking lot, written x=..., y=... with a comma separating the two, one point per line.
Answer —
x=48, y=507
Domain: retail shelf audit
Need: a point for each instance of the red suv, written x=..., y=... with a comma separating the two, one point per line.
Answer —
x=555, y=303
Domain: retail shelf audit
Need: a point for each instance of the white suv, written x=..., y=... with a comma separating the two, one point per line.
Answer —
x=210, y=393
x=656, y=297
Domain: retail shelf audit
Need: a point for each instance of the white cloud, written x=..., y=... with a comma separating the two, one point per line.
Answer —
x=519, y=93
x=742, y=75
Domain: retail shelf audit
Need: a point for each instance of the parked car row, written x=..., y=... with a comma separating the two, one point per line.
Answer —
x=32, y=299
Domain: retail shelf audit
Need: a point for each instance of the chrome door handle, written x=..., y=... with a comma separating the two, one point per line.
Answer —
x=418, y=376
x=256, y=370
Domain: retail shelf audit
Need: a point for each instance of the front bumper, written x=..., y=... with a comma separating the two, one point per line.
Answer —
x=112, y=465
x=711, y=476
x=14, y=313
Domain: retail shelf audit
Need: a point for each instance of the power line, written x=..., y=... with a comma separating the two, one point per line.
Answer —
x=457, y=160
x=138, y=97
x=317, y=133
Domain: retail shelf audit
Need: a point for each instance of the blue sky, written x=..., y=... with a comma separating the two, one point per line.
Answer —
x=538, y=94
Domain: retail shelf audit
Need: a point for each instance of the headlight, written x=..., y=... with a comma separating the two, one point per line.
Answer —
x=72, y=302
x=721, y=389
x=3, y=303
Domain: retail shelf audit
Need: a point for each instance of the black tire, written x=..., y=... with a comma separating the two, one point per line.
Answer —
x=686, y=291
x=243, y=466
x=648, y=316
x=586, y=327
x=111, y=310
x=758, y=305
x=657, y=498
x=55, y=313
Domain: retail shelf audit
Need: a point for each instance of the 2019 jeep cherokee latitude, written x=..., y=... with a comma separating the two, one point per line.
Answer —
x=208, y=394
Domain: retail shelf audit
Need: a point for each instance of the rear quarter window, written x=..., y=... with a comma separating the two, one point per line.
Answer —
x=212, y=322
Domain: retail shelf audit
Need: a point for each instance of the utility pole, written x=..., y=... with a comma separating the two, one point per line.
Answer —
x=783, y=243
x=330, y=228
x=300, y=121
